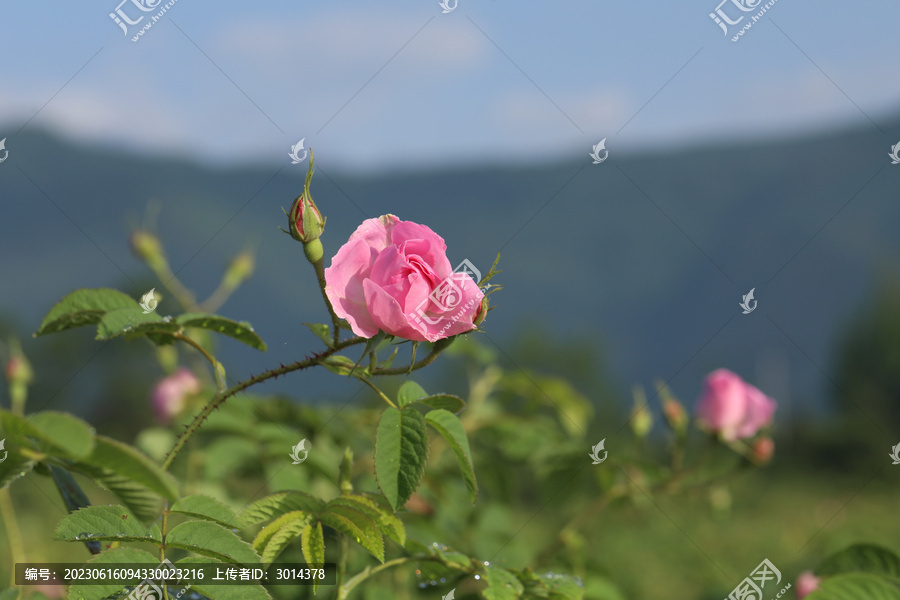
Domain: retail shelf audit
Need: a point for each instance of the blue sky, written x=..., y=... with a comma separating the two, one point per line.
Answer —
x=392, y=84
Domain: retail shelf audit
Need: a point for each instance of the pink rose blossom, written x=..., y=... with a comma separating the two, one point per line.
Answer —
x=733, y=408
x=170, y=393
x=384, y=276
x=807, y=583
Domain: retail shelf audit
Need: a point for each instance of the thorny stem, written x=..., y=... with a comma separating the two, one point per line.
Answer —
x=221, y=396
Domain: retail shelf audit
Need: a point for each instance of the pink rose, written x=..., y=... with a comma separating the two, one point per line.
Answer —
x=170, y=393
x=733, y=408
x=807, y=583
x=384, y=277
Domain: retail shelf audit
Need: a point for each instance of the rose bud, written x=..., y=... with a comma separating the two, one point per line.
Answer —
x=148, y=248
x=807, y=583
x=762, y=450
x=732, y=408
x=305, y=221
x=675, y=415
x=18, y=370
x=641, y=421
x=169, y=394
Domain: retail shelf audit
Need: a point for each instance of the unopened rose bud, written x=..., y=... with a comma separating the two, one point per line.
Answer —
x=18, y=370
x=762, y=450
x=305, y=221
x=675, y=415
x=641, y=421
x=148, y=248
x=170, y=394
x=807, y=583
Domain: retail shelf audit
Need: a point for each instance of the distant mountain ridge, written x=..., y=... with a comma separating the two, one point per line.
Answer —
x=650, y=253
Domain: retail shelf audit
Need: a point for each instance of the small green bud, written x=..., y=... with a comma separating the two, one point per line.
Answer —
x=148, y=248
x=641, y=421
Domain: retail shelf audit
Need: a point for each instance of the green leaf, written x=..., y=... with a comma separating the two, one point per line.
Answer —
x=409, y=392
x=446, y=401
x=275, y=537
x=212, y=540
x=388, y=523
x=502, y=584
x=313, y=543
x=14, y=467
x=99, y=589
x=55, y=433
x=241, y=331
x=451, y=428
x=266, y=533
x=277, y=505
x=103, y=523
x=866, y=558
x=323, y=332
x=401, y=450
x=232, y=591
x=856, y=586
x=133, y=322
x=132, y=464
x=204, y=507
x=343, y=365
x=357, y=525
x=83, y=307
x=142, y=501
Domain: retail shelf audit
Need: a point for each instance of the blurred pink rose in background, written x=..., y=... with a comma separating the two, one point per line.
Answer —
x=733, y=408
x=169, y=394
x=807, y=583
x=384, y=276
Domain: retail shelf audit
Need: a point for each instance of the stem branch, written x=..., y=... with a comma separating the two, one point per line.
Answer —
x=221, y=396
